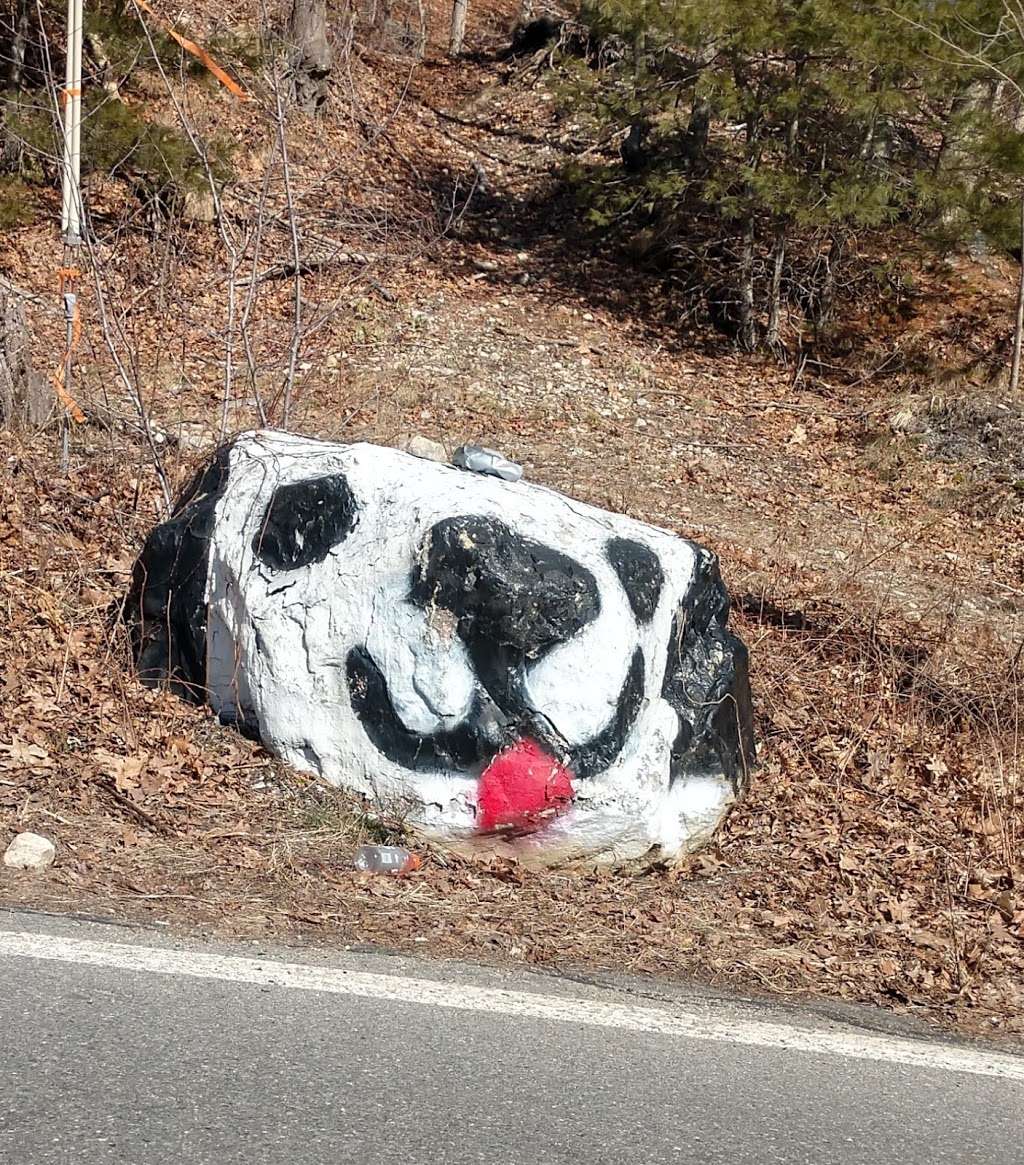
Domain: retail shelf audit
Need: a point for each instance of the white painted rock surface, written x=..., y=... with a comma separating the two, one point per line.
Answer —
x=510, y=667
x=30, y=851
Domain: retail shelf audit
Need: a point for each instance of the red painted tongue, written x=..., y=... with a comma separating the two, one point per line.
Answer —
x=523, y=787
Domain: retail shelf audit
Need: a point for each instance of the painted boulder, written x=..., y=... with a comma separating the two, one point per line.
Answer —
x=505, y=666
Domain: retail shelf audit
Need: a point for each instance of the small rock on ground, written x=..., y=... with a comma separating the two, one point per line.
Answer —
x=424, y=447
x=30, y=851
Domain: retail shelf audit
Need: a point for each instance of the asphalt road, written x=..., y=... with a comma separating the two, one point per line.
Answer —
x=119, y=1045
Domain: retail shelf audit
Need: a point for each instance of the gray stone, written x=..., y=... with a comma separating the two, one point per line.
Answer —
x=30, y=851
x=510, y=669
x=198, y=206
x=194, y=435
x=424, y=447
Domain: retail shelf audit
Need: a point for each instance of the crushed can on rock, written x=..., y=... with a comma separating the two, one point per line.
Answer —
x=386, y=859
x=477, y=459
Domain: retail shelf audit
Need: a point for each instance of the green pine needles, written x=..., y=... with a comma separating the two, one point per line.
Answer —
x=775, y=138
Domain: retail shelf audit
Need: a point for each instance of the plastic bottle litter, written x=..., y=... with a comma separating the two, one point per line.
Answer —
x=477, y=459
x=386, y=859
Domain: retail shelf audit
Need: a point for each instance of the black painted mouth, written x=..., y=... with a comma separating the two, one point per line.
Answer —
x=488, y=729
x=513, y=601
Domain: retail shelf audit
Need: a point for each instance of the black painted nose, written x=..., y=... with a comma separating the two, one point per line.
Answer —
x=513, y=599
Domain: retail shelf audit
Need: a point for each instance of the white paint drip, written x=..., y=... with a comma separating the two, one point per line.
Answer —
x=690, y=1022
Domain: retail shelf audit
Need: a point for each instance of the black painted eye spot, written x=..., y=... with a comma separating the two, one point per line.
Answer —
x=304, y=521
x=639, y=571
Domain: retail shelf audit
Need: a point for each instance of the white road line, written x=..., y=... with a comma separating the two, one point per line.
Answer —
x=679, y=1020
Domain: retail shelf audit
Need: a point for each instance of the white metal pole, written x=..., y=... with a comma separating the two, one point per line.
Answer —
x=66, y=115
x=74, y=236
x=71, y=199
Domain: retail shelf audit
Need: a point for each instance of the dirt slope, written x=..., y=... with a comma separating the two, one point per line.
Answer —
x=868, y=521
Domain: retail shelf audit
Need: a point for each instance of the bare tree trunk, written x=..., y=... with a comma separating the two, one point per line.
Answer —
x=954, y=146
x=380, y=16
x=97, y=51
x=18, y=44
x=312, y=57
x=824, y=300
x=772, y=335
x=421, y=48
x=25, y=397
x=1018, y=328
x=640, y=53
x=459, y=10
x=13, y=47
x=698, y=128
x=747, y=335
x=748, y=324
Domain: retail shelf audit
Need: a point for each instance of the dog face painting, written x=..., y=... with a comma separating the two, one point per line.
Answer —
x=508, y=666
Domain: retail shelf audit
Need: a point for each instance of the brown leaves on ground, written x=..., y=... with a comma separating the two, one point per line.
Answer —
x=877, y=856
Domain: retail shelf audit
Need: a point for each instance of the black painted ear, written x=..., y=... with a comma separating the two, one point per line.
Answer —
x=166, y=607
x=707, y=683
x=305, y=521
x=639, y=571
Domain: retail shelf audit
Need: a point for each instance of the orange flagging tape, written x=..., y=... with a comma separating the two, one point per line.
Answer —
x=65, y=275
x=197, y=51
x=65, y=398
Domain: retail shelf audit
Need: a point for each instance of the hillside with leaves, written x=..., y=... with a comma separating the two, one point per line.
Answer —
x=458, y=247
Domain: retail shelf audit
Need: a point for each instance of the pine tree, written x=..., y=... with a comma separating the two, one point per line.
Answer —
x=793, y=127
x=987, y=39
